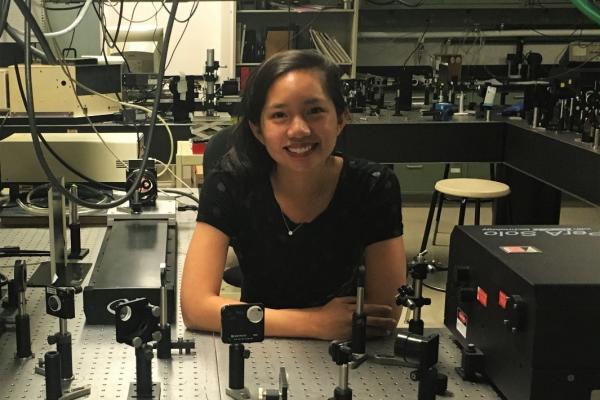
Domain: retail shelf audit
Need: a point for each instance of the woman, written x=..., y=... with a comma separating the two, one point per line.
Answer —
x=300, y=217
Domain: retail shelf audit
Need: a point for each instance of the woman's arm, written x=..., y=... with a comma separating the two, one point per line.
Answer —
x=385, y=263
x=201, y=280
x=201, y=303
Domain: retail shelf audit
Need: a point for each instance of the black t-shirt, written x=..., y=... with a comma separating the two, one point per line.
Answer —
x=319, y=260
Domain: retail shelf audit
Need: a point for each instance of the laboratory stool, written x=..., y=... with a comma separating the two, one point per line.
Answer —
x=463, y=189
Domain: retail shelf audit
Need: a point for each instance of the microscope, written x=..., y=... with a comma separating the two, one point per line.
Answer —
x=210, y=77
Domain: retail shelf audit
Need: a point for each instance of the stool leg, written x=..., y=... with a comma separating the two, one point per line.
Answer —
x=434, y=198
x=461, y=215
x=477, y=211
x=440, y=203
x=439, y=206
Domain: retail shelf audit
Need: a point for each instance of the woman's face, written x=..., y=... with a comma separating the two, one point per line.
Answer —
x=299, y=124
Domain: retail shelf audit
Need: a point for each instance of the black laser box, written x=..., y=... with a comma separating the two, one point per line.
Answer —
x=529, y=298
x=128, y=267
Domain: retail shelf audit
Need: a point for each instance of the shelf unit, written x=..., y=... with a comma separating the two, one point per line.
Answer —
x=333, y=20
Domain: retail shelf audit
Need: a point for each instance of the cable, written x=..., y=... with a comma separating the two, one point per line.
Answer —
x=114, y=44
x=167, y=168
x=56, y=156
x=186, y=21
x=133, y=21
x=35, y=133
x=106, y=33
x=177, y=44
x=192, y=12
x=67, y=73
x=77, y=83
x=19, y=40
x=32, y=23
x=419, y=42
x=437, y=289
x=4, y=8
x=179, y=192
x=4, y=122
x=83, y=188
x=69, y=28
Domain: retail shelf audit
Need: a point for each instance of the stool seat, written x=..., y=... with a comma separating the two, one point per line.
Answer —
x=471, y=188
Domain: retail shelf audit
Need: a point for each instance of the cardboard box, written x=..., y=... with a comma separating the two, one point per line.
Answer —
x=277, y=40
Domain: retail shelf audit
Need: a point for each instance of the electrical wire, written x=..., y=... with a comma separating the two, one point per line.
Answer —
x=105, y=33
x=83, y=188
x=179, y=192
x=69, y=28
x=419, y=43
x=32, y=23
x=437, y=289
x=167, y=168
x=4, y=119
x=114, y=43
x=35, y=133
x=186, y=21
x=132, y=21
x=177, y=44
x=67, y=73
x=147, y=110
x=4, y=8
x=73, y=25
x=19, y=40
x=56, y=156
x=31, y=207
x=192, y=12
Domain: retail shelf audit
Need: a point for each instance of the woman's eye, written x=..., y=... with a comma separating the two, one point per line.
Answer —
x=316, y=110
x=277, y=115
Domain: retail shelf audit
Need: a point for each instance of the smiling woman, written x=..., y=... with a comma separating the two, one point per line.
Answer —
x=300, y=217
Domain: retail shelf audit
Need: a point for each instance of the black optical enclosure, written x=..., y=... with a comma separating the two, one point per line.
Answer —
x=529, y=298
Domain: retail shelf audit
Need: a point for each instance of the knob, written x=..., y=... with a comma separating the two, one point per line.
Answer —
x=54, y=303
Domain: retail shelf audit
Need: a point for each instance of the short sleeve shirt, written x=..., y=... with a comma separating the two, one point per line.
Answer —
x=319, y=260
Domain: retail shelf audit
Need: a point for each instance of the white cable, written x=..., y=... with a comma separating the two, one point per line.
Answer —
x=68, y=28
x=167, y=168
x=74, y=24
x=32, y=209
x=136, y=106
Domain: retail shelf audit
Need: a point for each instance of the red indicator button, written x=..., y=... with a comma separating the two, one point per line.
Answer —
x=482, y=296
x=502, y=299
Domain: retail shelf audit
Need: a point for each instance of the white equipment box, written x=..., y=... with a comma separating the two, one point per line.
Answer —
x=82, y=151
x=53, y=94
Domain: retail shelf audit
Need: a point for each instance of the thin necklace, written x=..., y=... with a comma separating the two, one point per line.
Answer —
x=290, y=231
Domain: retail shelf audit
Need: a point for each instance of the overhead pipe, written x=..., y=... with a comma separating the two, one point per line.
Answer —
x=483, y=34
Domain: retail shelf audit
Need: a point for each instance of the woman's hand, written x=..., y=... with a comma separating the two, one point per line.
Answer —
x=334, y=319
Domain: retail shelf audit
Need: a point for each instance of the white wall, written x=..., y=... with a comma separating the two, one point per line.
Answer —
x=209, y=28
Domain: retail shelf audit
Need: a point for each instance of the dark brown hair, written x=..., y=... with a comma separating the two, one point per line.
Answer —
x=248, y=157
